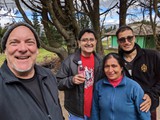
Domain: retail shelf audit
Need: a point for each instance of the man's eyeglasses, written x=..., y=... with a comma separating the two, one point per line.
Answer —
x=87, y=40
x=123, y=39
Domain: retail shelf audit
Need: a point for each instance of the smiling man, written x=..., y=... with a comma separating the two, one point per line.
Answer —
x=78, y=88
x=142, y=65
x=27, y=91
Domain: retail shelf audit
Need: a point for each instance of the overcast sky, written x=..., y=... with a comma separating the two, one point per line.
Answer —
x=111, y=19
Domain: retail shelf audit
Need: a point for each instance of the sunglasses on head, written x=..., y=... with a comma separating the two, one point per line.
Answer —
x=123, y=39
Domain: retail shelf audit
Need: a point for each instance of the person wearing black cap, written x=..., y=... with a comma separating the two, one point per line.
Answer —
x=142, y=65
x=27, y=91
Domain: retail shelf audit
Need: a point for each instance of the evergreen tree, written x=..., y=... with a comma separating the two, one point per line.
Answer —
x=36, y=23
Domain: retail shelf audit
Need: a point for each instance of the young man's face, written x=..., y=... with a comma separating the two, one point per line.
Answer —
x=126, y=40
x=87, y=43
x=21, y=50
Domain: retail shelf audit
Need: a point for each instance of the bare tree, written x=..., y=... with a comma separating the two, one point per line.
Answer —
x=149, y=6
x=64, y=16
x=123, y=7
x=156, y=7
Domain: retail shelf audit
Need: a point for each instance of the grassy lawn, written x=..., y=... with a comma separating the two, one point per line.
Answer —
x=2, y=58
x=45, y=55
x=106, y=51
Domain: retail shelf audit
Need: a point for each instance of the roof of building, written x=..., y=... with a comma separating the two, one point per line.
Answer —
x=139, y=29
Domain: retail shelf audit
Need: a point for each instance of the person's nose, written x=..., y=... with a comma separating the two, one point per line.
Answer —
x=126, y=41
x=88, y=41
x=110, y=69
x=22, y=47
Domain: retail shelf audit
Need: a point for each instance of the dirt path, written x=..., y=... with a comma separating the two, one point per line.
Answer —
x=158, y=112
x=61, y=96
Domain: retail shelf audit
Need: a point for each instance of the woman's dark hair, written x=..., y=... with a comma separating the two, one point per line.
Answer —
x=123, y=28
x=88, y=31
x=114, y=55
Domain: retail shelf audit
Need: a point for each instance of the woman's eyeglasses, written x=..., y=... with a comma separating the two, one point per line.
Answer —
x=123, y=39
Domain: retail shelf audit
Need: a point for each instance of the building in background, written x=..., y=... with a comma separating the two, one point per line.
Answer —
x=143, y=33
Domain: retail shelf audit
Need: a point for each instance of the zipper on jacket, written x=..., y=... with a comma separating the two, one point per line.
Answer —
x=50, y=117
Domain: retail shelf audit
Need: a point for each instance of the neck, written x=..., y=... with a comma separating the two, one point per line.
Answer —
x=116, y=82
x=86, y=54
x=131, y=56
x=25, y=75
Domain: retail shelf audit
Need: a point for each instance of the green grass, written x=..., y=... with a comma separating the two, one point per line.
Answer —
x=45, y=55
x=106, y=51
x=2, y=58
x=109, y=50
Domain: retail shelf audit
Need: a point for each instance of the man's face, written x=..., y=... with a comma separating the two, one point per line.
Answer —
x=21, y=51
x=87, y=43
x=126, y=40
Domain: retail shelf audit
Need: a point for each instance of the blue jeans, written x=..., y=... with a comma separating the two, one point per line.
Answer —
x=73, y=117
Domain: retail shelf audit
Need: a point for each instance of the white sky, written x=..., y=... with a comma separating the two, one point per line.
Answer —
x=10, y=16
x=111, y=19
x=5, y=17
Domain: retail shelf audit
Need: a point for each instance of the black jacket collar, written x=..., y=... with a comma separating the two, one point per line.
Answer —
x=9, y=77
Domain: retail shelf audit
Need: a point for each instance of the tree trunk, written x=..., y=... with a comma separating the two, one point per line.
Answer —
x=122, y=12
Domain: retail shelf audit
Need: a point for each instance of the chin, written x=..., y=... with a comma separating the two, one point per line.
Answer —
x=89, y=51
x=128, y=48
x=111, y=78
x=23, y=69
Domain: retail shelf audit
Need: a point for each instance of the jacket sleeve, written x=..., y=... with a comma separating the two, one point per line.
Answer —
x=95, y=115
x=154, y=91
x=64, y=76
x=138, y=94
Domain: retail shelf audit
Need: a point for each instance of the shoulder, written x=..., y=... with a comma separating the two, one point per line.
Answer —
x=151, y=51
x=98, y=56
x=133, y=87
x=131, y=82
x=100, y=82
x=42, y=70
x=151, y=54
x=72, y=57
x=45, y=73
x=69, y=61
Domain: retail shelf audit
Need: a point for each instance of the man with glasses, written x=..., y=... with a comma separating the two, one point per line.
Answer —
x=142, y=65
x=78, y=87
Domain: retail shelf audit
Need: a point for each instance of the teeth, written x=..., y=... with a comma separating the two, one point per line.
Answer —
x=22, y=57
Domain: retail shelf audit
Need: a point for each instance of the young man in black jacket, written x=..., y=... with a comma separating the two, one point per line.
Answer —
x=142, y=65
x=78, y=87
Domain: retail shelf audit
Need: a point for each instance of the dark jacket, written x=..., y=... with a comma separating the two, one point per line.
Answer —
x=146, y=71
x=18, y=103
x=74, y=94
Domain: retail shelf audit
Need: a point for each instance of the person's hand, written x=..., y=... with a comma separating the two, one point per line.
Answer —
x=145, y=106
x=78, y=79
